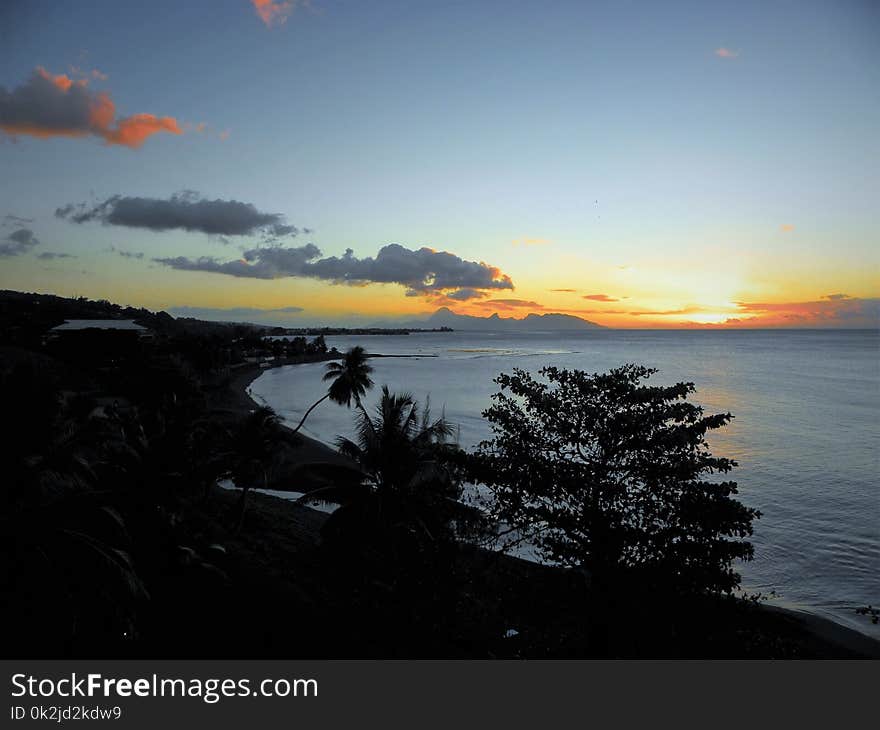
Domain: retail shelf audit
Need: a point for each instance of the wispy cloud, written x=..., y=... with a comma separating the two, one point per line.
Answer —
x=726, y=53
x=600, y=298
x=276, y=12
x=82, y=73
x=509, y=304
x=667, y=312
x=833, y=310
x=566, y=291
x=786, y=227
x=15, y=220
x=51, y=255
x=139, y=255
x=48, y=105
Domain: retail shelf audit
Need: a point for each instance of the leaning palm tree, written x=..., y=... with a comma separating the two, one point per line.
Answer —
x=350, y=381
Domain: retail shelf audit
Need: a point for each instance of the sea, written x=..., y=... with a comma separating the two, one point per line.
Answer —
x=805, y=429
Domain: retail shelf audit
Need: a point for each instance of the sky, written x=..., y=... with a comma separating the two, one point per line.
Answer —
x=342, y=162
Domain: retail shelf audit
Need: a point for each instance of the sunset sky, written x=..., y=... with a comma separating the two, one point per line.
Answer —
x=638, y=164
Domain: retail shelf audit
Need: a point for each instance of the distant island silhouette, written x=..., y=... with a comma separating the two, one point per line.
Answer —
x=445, y=317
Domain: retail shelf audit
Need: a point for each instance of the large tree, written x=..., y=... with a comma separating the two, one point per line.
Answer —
x=602, y=472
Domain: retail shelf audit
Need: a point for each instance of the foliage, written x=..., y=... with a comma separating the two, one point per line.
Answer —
x=602, y=472
x=400, y=451
x=393, y=539
x=398, y=448
x=255, y=448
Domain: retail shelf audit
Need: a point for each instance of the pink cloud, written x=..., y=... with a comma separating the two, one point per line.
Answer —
x=274, y=12
x=49, y=105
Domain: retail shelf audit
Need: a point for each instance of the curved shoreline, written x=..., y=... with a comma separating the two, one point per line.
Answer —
x=821, y=628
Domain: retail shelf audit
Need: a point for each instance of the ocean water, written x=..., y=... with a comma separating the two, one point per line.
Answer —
x=805, y=430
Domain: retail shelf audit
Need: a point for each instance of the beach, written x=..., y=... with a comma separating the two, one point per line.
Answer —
x=278, y=531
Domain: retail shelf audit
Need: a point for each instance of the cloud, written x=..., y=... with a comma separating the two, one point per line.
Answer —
x=831, y=311
x=186, y=211
x=507, y=305
x=48, y=105
x=567, y=291
x=15, y=220
x=18, y=242
x=422, y=271
x=50, y=255
x=786, y=227
x=273, y=12
x=128, y=254
x=836, y=297
x=726, y=53
x=600, y=298
x=463, y=295
x=81, y=73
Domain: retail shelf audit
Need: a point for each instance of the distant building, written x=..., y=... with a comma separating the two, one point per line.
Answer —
x=98, y=341
x=76, y=325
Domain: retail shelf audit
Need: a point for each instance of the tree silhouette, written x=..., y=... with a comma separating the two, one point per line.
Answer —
x=256, y=445
x=603, y=473
x=350, y=381
x=392, y=541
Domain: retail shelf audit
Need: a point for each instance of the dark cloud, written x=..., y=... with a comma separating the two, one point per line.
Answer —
x=18, y=242
x=567, y=291
x=48, y=105
x=423, y=271
x=462, y=295
x=42, y=107
x=186, y=211
x=49, y=255
x=836, y=297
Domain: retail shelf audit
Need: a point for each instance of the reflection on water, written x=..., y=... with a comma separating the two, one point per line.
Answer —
x=805, y=406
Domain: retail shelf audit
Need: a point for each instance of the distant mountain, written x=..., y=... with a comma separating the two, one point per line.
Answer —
x=445, y=317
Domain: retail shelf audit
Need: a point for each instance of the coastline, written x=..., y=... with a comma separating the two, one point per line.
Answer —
x=821, y=635
x=233, y=398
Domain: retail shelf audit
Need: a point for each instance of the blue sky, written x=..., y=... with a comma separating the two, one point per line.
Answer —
x=613, y=133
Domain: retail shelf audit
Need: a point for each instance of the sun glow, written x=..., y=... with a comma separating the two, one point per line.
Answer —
x=709, y=318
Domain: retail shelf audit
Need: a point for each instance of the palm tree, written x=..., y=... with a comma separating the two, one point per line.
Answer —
x=400, y=452
x=258, y=438
x=351, y=380
x=392, y=541
x=399, y=448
